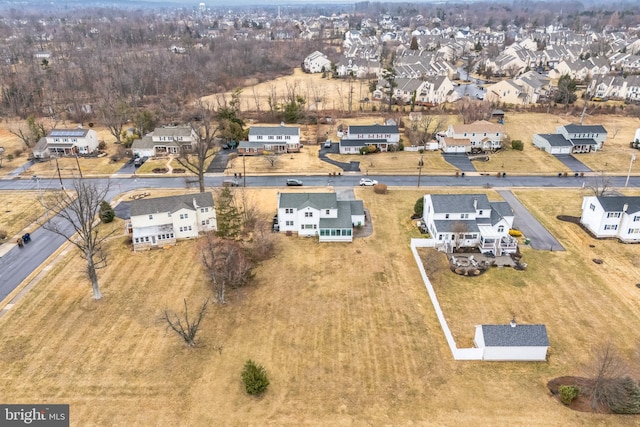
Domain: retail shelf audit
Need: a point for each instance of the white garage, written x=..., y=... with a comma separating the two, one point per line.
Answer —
x=512, y=342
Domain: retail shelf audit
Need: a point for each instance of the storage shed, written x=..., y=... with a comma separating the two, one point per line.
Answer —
x=512, y=342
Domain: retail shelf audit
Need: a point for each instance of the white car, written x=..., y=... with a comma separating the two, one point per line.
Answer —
x=368, y=182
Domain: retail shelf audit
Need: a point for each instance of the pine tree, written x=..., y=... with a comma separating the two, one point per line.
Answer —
x=229, y=216
x=106, y=213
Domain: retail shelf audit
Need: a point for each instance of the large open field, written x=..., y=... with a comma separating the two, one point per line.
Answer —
x=346, y=331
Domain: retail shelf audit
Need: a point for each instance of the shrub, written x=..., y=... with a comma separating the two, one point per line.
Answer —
x=627, y=400
x=418, y=208
x=10, y=157
x=516, y=144
x=17, y=152
x=373, y=108
x=380, y=188
x=568, y=393
x=160, y=170
x=106, y=213
x=400, y=146
x=254, y=378
x=102, y=145
x=3, y=234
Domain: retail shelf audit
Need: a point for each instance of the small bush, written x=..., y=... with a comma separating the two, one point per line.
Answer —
x=106, y=213
x=627, y=400
x=102, y=145
x=418, y=207
x=380, y=188
x=516, y=144
x=10, y=157
x=160, y=170
x=3, y=234
x=568, y=393
x=254, y=378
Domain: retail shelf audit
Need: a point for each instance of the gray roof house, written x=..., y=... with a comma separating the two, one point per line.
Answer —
x=512, y=342
x=577, y=139
x=66, y=142
x=381, y=136
x=165, y=140
x=470, y=221
x=161, y=221
x=319, y=214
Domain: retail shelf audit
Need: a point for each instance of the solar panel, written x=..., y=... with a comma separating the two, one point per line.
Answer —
x=67, y=132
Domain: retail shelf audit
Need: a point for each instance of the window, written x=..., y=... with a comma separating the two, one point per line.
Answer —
x=592, y=207
x=189, y=228
x=633, y=231
x=611, y=227
x=181, y=229
x=146, y=239
x=204, y=210
x=636, y=218
x=613, y=214
x=288, y=210
x=289, y=223
x=440, y=237
x=308, y=214
x=308, y=226
x=480, y=212
x=464, y=216
x=327, y=211
x=150, y=216
x=501, y=229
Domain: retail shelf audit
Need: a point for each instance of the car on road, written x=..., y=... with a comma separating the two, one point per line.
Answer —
x=294, y=182
x=230, y=183
x=368, y=182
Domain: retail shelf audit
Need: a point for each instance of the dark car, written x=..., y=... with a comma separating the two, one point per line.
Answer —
x=294, y=182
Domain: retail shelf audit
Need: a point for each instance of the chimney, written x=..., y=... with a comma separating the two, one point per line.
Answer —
x=625, y=207
x=475, y=203
x=282, y=124
x=513, y=322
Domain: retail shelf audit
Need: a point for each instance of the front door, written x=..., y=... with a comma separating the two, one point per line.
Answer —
x=153, y=240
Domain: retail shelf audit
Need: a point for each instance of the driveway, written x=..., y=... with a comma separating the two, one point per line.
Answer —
x=219, y=162
x=459, y=160
x=572, y=163
x=532, y=229
x=335, y=149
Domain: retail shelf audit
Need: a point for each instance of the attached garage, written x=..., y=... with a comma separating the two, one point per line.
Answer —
x=553, y=143
x=512, y=342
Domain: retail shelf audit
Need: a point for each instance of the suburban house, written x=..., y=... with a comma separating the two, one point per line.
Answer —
x=436, y=90
x=317, y=62
x=66, y=142
x=469, y=221
x=275, y=139
x=615, y=217
x=162, y=221
x=512, y=342
x=522, y=90
x=572, y=139
x=383, y=137
x=319, y=214
x=165, y=140
x=480, y=136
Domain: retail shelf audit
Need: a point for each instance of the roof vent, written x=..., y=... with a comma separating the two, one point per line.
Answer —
x=513, y=322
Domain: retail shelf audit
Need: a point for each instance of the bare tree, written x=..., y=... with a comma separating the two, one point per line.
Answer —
x=194, y=157
x=226, y=264
x=607, y=379
x=30, y=131
x=458, y=229
x=80, y=211
x=601, y=185
x=181, y=325
x=272, y=159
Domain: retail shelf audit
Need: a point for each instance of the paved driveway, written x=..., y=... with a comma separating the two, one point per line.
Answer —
x=352, y=166
x=572, y=163
x=461, y=161
x=530, y=227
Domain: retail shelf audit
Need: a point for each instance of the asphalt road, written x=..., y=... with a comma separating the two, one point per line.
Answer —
x=17, y=264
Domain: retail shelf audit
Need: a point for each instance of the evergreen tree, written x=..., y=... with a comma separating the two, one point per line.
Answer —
x=229, y=217
x=107, y=214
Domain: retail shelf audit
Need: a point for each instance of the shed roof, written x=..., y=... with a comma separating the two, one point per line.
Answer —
x=515, y=336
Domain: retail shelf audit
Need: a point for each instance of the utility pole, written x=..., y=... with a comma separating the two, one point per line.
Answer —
x=633, y=159
x=59, y=176
x=244, y=172
x=420, y=164
x=79, y=169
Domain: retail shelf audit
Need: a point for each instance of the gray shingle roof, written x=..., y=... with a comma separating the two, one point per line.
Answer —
x=585, y=128
x=313, y=200
x=373, y=129
x=556, y=140
x=458, y=203
x=173, y=131
x=171, y=203
x=144, y=142
x=520, y=335
x=616, y=203
x=274, y=130
x=344, y=217
x=361, y=142
x=456, y=226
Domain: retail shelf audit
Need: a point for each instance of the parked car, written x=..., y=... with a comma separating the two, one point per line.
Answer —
x=294, y=182
x=368, y=182
x=327, y=143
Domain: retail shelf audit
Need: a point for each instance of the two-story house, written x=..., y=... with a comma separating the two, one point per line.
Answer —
x=319, y=214
x=165, y=140
x=316, y=62
x=380, y=136
x=162, y=221
x=616, y=217
x=66, y=142
x=479, y=136
x=275, y=139
x=572, y=139
x=469, y=221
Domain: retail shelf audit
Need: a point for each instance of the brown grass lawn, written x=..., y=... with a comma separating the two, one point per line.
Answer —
x=346, y=332
x=18, y=211
x=304, y=162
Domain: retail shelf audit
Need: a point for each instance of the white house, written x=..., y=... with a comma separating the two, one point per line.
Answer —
x=165, y=140
x=275, y=139
x=380, y=136
x=469, y=221
x=552, y=143
x=317, y=62
x=319, y=214
x=66, y=142
x=572, y=139
x=512, y=342
x=161, y=221
x=478, y=136
x=615, y=217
